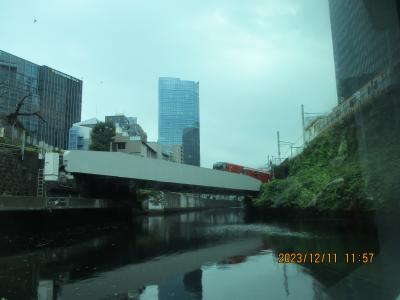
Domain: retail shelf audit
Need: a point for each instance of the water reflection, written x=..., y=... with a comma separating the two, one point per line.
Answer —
x=202, y=255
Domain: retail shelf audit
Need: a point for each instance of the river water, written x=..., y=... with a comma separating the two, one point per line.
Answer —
x=216, y=254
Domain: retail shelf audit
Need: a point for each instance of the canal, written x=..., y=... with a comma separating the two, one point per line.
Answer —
x=215, y=254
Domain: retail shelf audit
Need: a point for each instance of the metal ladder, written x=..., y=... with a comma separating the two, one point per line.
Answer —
x=40, y=184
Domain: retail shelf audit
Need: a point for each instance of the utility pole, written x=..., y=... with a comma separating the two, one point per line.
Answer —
x=303, y=124
x=279, y=145
x=272, y=167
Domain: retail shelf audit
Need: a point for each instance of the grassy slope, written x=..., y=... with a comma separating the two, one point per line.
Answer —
x=354, y=165
x=326, y=176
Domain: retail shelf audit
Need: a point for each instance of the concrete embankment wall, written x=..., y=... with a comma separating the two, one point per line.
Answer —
x=170, y=201
x=17, y=176
x=378, y=133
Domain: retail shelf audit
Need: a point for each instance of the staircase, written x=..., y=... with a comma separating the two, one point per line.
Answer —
x=40, y=184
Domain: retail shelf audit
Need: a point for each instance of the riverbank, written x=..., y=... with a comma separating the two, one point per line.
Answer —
x=351, y=168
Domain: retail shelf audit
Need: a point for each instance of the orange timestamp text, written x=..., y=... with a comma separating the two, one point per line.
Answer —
x=325, y=257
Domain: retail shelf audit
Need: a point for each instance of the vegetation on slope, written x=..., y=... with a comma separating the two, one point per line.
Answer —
x=326, y=176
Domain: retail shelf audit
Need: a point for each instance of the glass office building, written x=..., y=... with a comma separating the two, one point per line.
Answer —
x=18, y=79
x=61, y=105
x=365, y=37
x=191, y=146
x=178, y=109
x=79, y=134
x=57, y=96
x=76, y=140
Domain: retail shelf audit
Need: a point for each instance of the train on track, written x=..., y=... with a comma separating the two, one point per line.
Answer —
x=238, y=169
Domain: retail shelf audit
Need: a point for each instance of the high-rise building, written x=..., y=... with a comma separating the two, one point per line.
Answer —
x=57, y=97
x=366, y=40
x=178, y=109
x=60, y=105
x=191, y=147
x=19, y=78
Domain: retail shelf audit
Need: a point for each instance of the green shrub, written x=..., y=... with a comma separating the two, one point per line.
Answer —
x=327, y=175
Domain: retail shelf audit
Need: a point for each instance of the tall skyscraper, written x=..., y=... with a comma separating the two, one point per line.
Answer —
x=60, y=105
x=19, y=78
x=191, y=147
x=56, y=95
x=179, y=109
x=366, y=40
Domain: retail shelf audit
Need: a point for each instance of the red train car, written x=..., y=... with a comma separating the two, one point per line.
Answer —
x=257, y=174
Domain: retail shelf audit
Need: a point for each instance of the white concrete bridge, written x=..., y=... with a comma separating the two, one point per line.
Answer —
x=130, y=171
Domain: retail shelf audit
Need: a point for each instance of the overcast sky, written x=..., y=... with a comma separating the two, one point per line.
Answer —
x=257, y=61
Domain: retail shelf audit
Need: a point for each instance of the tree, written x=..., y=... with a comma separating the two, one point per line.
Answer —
x=12, y=118
x=101, y=136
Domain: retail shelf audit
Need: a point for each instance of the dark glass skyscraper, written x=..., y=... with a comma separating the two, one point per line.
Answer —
x=178, y=109
x=60, y=105
x=365, y=36
x=191, y=147
x=56, y=95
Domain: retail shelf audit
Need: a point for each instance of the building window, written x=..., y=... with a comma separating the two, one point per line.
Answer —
x=120, y=146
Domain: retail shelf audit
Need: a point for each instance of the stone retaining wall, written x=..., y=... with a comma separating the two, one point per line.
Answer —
x=17, y=176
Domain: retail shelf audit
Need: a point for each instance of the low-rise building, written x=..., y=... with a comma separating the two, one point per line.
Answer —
x=79, y=134
x=160, y=153
x=127, y=126
x=131, y=145
x=176, y=153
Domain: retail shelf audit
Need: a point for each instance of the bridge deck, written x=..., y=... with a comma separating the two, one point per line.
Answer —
x=121, y=165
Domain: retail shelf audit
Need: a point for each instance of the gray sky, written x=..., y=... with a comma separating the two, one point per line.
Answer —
x=256, y=61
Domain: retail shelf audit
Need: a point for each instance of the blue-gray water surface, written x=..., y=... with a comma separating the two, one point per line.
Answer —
x=216, y=254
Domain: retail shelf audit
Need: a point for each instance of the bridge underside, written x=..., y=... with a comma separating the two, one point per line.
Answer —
x=114, y=187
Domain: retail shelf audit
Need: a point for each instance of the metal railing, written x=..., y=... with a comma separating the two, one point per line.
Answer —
x=371, y=90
